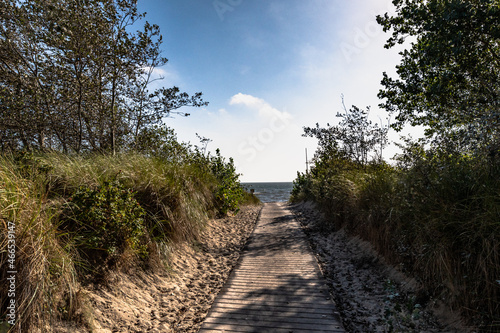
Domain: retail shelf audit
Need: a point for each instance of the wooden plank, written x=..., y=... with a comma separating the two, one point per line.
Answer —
x=275, y=284
x=269, y=304
x=250, y=329
x=274, y=290
x=277, y=298
x=271, y=301
x=276, y=281
x=261, y=325
x=295, y=312
x=296, y=294
x=278, y=273
x=282, y=317
x=290, y=269
x=223, y=305
x=238, y=286
x=284, y=278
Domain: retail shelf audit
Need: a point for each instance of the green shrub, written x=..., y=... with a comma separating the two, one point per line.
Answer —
x=229, y=192
x=106, y=218
x=250, y=199
x=161, y=142
x=29, y=166
x=45, y=269
x=75, y=216
x=448, y=209
x=302, y=187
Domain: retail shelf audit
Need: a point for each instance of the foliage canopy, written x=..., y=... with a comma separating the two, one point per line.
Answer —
x=75, y=77
x=354, y=138
x=449, y=77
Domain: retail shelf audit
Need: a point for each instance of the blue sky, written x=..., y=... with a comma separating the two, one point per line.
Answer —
x=268, y=68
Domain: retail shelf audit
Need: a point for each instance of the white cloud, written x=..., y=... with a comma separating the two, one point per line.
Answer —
x=157, y=72
x=265, y=110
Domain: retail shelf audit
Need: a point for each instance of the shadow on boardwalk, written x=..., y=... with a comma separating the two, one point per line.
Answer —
x=277, y=286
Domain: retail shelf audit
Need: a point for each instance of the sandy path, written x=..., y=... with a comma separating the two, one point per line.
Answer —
x=176, y=300
x=370, y=295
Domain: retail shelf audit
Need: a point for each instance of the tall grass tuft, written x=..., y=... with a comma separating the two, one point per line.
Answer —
x=45, y=280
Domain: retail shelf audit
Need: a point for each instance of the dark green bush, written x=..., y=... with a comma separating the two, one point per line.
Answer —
x=106, y=218
x=250, y=199
x=29, y=166
x=301, y=188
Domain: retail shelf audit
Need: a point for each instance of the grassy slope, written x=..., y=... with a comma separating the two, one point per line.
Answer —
x=51, y=262
x=438, y=223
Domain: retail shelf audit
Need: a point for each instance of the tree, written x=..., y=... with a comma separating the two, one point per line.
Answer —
x=354, y=138
x=74, y=77
x=22, y=59
x=449, y=78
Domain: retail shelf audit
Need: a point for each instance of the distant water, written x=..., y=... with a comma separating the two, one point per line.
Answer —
x=270, y=192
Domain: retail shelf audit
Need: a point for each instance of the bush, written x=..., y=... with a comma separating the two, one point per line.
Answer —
x=448, y=209
x=106, y=218
x=74, y=212
x=302, y=186
x=45, y=269
x=250, y=199
x=29, y=166
x=229, y=192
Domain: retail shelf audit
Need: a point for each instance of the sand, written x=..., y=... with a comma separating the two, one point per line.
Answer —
x=176, y=299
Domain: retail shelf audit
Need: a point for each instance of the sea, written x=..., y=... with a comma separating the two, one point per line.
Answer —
x=270, y=192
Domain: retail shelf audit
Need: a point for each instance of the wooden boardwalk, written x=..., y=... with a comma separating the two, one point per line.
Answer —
x=277, y=286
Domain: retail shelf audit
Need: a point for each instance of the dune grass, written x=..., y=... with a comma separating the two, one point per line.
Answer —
x=437, y=219
x=44, y=266
x=76, y=217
